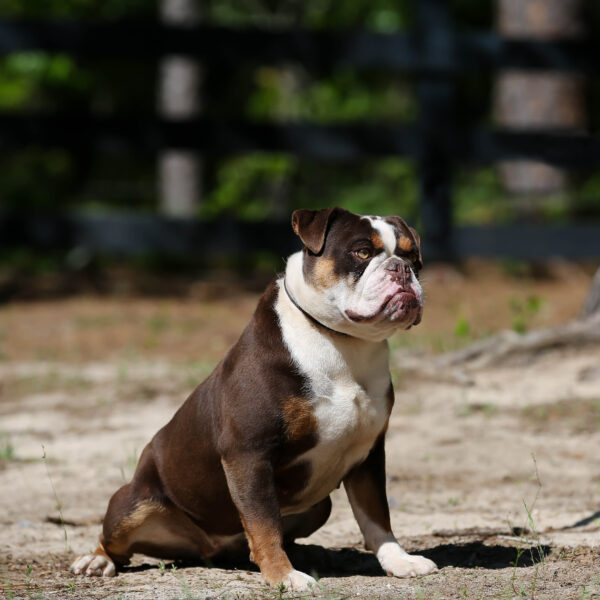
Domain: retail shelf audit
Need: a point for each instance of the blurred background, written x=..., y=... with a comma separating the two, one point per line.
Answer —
x=160, y=147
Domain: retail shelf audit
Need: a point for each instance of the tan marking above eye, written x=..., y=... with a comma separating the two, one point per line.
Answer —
x=405, y=244
x=377, y=241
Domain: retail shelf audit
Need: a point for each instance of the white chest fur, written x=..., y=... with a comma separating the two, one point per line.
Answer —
x=348, y=381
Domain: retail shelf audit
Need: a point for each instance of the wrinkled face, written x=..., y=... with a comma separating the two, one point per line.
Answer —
x=359, y=274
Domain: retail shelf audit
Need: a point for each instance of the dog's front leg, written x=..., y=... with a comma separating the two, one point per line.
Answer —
x=365, y=486
x=251, y=484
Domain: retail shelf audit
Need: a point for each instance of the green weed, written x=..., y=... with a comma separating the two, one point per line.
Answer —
x=462, y=329
x=58, y=503
x=591, y=588
x=523, y=311
x=127, y=469
x=7, y=450
x=537, y=554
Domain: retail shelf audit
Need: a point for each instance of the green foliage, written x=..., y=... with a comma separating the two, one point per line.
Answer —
x=379, y=15
x=77, y=9
x=345, y=95
x=523, y=311
x=29, y=80
x=258, y=186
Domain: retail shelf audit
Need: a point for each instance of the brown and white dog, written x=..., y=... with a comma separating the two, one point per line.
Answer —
x=299, y=405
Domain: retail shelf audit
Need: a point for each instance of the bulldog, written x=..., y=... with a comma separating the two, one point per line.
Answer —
x=299, y=405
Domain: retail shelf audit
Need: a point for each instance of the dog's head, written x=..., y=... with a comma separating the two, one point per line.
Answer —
x=357, y=274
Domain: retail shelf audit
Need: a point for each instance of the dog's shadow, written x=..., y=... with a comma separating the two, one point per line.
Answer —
x=345, y=562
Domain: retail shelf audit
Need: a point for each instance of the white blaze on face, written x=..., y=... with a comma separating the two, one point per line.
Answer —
x=387, y=233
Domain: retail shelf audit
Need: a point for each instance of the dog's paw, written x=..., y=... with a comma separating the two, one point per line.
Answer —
x=395, y=561
x=93, y=565
x=296, y=580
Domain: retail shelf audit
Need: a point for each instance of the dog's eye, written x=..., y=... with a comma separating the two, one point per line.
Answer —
x=363, y=253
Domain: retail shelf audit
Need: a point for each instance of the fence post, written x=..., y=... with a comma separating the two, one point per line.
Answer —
x=435, y=91
x=179, y=171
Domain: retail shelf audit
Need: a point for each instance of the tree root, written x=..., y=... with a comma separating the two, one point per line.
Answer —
x=509, y=345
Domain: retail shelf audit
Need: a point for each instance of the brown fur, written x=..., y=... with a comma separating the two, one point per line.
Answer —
x=377, y=241
x=299, y=418
x=323, y=273
x=405, y=244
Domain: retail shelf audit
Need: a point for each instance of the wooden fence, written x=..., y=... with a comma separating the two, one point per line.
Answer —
x=433, y=52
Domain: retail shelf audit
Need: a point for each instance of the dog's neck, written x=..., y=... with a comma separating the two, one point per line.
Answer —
x=306, y=313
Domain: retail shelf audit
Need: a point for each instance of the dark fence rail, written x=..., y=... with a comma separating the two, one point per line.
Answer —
x=433, y=52
x=315, y=50
x=128, y=234
x=320, y=142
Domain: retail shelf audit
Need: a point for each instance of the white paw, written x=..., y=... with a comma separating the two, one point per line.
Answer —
x=94, y=565
x=296, y=580
x=395, y=561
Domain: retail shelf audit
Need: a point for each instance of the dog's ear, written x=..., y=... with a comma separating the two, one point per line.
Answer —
x=417, y=237
x=311, y=226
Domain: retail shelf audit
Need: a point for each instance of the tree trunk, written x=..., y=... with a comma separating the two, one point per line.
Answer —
x=179, y=171
x=538, y=100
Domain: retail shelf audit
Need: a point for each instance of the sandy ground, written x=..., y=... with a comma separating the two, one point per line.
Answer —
x=496, y=479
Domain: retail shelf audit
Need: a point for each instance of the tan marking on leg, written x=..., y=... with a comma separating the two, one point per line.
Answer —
x=157, y=530
x=267, y=552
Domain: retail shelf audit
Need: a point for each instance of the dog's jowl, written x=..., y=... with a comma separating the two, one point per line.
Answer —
x=299, y=405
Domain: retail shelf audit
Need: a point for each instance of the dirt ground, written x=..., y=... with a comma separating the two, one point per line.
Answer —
x=495, y=476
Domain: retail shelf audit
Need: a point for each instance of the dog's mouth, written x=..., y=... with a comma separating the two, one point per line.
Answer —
x=401, y=306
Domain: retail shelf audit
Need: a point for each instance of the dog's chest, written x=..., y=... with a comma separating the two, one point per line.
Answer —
x=347, y=381
x=349, y=417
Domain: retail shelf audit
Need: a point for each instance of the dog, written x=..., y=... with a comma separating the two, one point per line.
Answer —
x=299, y=405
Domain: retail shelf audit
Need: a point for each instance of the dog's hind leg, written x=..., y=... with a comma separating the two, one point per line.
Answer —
x=141, y=519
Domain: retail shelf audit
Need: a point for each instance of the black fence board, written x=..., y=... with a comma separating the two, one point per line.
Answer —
x=130, y=234
x=314, y=49
x=521, y=241
x=349, y=142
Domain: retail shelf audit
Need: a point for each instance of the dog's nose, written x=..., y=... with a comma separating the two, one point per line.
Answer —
x=400, y=267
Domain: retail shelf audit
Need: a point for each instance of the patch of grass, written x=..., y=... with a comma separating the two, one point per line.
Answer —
x=158, y=323
x=523, y=311
x=7, y=450
x=462, y=329
x=579, y=414
x=10, y=594
x=97, y=321
x=486, y=408
x=19, y=386
x=591, y=590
